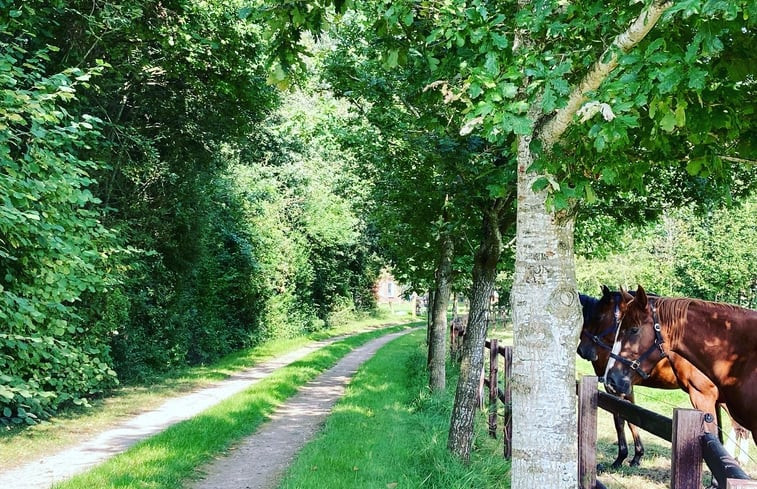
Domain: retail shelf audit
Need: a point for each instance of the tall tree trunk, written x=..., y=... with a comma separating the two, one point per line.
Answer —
x=546, y=312
x=437, y=347
x=484, y=274
x=547, y=322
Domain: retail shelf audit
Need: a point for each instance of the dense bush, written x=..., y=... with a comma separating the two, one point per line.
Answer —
x=53, y=247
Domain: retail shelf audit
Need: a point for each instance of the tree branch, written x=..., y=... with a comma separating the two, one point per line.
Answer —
x=733, y=159
x=623, y=42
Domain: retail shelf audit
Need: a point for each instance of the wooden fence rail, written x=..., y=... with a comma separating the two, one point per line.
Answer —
x=690, y=443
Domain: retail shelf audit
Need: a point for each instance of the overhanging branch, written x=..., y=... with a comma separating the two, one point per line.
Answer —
x=733, y=159
x=623, y=42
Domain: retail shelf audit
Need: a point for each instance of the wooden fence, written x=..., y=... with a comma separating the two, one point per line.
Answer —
x=496, y=394
x=686, y=431
x=690, y=443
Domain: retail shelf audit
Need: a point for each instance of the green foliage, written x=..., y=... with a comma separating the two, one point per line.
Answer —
x=715, y=255
x=53, y=247
x=152, y=216
x=702, y=255
x=683, y=100
x=427, y=180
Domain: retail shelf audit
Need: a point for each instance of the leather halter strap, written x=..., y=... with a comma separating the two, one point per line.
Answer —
x=612, y=329
x=658, y=343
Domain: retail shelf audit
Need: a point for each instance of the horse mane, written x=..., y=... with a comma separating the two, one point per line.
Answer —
x=673, y=311
x=588, y=306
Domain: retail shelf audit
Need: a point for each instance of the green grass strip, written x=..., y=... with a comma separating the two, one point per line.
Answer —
x=388, y=432
x=165, y=460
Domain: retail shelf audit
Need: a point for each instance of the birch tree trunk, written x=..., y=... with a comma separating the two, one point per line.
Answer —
x=547, y=322
x=484, y=274
x=546, y=312
x=437, y=347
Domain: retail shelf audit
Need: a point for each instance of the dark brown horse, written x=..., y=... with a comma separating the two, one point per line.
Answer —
x=600, y=324
x=719, y=339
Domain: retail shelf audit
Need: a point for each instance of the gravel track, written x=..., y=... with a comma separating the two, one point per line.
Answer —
x=291, y=426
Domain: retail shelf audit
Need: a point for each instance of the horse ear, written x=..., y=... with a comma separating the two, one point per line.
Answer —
x=625, y=300
x=625, y=295
x=641, y=297
x=605, y=291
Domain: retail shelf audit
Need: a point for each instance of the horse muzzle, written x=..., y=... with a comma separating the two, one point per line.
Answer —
x=587, y=352
x=618, y=383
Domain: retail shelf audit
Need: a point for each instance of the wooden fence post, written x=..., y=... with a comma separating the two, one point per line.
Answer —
x=507, y=353
x=480, y=395
x=452, y=339
x=493, y=387
x=686, y=463
x=587, y=432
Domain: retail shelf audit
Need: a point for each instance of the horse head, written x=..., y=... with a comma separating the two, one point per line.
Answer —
x=638, y=343
x=599, y=323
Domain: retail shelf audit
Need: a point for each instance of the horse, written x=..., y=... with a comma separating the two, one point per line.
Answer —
x=600, y=323
x=718, y=339
x=457, y=331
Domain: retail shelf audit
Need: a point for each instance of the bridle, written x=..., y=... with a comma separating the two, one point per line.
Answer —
x=635, y=365
x=613, y=328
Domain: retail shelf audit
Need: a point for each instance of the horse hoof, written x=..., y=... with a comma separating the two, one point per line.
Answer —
x=635, y=463
x=617, y=464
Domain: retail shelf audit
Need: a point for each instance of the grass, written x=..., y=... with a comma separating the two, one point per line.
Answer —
x=19, y=446
x=167, y=459
x=389, y=432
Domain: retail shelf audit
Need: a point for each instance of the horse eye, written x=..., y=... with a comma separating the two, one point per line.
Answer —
x=634, y=330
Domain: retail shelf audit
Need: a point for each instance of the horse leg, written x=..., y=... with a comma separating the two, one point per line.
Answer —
x=620, y=429
x=719, y=419
x=703, y=395
x=638, y=448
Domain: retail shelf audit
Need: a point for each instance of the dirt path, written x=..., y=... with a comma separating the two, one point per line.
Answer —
x=41, y=474
x=261, y=459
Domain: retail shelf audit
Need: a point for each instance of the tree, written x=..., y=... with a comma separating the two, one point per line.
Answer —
x=430, y=190
x=576, y=97
x=545, y=313
x=533, y=78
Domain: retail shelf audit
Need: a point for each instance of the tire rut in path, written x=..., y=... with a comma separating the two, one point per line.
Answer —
x=259, y=461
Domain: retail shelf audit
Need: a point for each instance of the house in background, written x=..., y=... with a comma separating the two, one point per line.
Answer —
x=388, y=291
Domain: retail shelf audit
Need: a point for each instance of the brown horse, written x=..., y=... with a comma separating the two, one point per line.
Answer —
x=719, y=339
x=598, y=334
